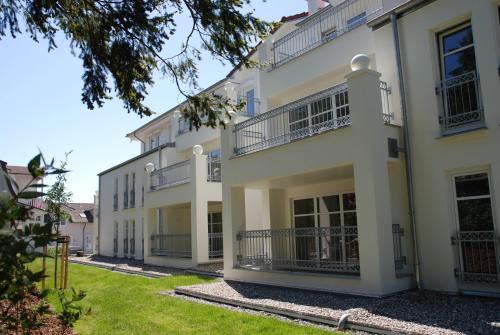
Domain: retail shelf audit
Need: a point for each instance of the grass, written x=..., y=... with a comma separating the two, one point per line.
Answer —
x=128, y=304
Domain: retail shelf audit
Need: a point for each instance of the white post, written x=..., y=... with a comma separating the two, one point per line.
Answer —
x=371, y=179
x=199, y=206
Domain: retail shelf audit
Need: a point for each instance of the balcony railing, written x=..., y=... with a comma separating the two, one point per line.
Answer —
x=132, y=198
x=478, y=254
x=327, y=25
x=214, y=169
x=115, y=202
x=461, y=103
x=125, y=247
x=308, y=116
x=399, y=258
x=172, y=175
x=325, y=249
x=215, y=246
x=175, y=246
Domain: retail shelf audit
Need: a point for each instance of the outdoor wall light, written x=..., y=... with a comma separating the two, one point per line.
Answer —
x=150, y=167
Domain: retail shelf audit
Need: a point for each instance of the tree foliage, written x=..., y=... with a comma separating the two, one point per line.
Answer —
x=126, y=41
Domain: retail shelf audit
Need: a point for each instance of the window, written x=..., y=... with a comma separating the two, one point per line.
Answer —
x=460, y=83
x=476, y=232
x=38, y=218
x=356, y=21
x=125, y=192
x=334, y=222
x=250, y=99
x=329, y=34
x=214, y=165
x=142, y=195
x=183, y=126
x=115, y=239
x=322, y=114
x=115, y=196
x=132, y=191
x=125, y=238
x=215, y=223
x=154, y=141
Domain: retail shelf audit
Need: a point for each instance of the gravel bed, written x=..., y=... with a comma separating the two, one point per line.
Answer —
x=217, y=268
x=258, y=313
x=410, y=312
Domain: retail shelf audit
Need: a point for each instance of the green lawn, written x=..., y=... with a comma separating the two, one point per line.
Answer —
x=127, y=304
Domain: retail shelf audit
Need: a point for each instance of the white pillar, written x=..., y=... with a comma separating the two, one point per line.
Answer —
x=371, y=180
x=199, y=207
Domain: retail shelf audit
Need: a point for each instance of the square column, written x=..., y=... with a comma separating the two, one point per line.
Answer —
x=199, y=208
x=372, y=187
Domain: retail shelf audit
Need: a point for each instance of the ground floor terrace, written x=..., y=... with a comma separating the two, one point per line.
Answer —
x=182, y=235
x=321, y=230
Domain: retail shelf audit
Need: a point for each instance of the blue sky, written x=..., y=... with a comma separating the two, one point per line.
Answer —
x=40, y=105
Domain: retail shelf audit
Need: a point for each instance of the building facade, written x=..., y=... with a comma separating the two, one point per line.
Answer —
x=376, y=175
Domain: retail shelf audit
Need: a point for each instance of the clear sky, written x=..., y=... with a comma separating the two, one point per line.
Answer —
x=40, y=105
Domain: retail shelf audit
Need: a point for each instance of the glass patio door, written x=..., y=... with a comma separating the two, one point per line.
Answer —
x=477, y=239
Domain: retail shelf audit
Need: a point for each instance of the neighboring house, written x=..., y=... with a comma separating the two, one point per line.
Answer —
x=79, y=226
x=22, y=178
x=326, y=163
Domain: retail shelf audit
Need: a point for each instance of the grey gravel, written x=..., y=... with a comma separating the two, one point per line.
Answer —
x=409, y=312
x=258, y=313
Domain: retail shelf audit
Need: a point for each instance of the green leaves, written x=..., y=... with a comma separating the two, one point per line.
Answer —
x=122, y=43
x=34, y=167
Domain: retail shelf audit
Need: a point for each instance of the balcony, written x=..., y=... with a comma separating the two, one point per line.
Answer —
x=309, y=116
x=215, y=245
x=316, y=249
x=461, y=104
x=323, y=27
x=171, y=245
x=173, y=175
x=478, y=256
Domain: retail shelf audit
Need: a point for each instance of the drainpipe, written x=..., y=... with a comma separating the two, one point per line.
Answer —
x=83, y=237
x=407, y=149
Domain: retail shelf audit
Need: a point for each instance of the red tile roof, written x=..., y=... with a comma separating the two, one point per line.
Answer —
x=13, y=169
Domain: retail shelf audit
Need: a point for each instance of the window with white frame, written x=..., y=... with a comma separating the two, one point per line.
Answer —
x=459, y=80
x=476, y=228
x=183, y=126
x=334, y=221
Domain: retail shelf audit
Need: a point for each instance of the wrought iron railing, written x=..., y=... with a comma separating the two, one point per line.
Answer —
x=385, y=91
x=172, y=175
x=115, y=246
x=326, y=110
x=132, y=198
x=132, y=246
x=461, y=103
x=247, y=110
x=327, y=25
x=399, y=258
x=125, y=247
x=325, y=249
x=478, y=255
x=171, y=245
x=115, y=202
x=125, y=199
x=215, y=245
x=214, y=169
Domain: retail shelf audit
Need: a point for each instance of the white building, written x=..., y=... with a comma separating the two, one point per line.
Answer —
x=170, y=215
x=369, y=176
x=315, y=189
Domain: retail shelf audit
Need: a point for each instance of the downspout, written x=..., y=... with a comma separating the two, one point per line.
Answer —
x=83, y=237
x=407, y=149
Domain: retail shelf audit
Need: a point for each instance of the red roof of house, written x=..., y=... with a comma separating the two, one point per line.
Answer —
x=80, y=212
x=14, y=169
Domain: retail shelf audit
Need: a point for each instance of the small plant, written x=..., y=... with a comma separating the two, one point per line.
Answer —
x=22, y=306
x=71, y=312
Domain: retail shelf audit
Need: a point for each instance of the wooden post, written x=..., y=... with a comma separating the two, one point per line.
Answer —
x=66, y=262
x=44, y=266
x=63, y=245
